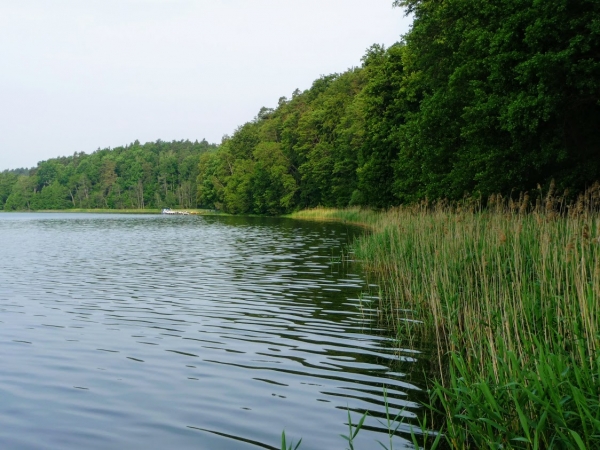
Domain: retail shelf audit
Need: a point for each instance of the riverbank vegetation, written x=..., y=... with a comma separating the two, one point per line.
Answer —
x=149, y=176
x=480, y=97
x=510, y=294
x=190, y=211
x=480, y=101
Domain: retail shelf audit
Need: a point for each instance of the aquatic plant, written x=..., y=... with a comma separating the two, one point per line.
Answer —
x=353, y=429
x=509, y=291
x=291, y=446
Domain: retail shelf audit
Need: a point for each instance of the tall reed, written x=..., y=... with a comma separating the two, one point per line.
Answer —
x=510, y=294
x=355, y=215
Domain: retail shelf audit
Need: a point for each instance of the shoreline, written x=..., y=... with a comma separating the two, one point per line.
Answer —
x=485, y=285
x=510, y=294
x=194, y=211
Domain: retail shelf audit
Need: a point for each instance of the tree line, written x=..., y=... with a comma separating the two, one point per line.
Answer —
x=153, y=175
x=480, y=97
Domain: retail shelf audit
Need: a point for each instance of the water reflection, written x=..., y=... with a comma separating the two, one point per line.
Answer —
x=187, y=332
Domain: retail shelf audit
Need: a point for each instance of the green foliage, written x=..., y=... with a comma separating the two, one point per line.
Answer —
x=7, y=180
x=52, y=196
x=353, y=429
x=273, y=186
x=291, y=446
x=301, y=154
x=153, y=175
x=508, y=92
x=21, y=193
x=386, y=109
x=552, y=402
x=511, y=297
x=480, y=97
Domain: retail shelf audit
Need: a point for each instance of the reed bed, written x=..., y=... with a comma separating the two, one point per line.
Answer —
x=355, y=215
x=510, y=294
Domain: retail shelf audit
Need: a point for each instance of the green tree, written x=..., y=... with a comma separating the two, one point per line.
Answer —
x=272, y=184
x=508, y=95
x=7, y=180
x=238, y=193
x=53, y=196
x=22, y=193
x=386, y=105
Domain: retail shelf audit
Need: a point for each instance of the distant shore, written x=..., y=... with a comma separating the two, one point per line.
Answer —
x=199, y=212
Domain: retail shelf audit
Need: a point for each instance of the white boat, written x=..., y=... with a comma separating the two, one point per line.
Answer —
x=170, y=212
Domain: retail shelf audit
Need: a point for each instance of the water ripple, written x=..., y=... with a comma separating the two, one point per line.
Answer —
x=188, y=332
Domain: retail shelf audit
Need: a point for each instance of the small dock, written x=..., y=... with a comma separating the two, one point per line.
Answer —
x=170, y=212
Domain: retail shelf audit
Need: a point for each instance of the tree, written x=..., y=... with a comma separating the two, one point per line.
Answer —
x=21, y=194
x=272, y=184
x=508, y=94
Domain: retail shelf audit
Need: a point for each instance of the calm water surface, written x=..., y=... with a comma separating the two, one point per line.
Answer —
x=151, y=332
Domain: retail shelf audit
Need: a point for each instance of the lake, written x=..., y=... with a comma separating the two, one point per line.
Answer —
x=157, y=332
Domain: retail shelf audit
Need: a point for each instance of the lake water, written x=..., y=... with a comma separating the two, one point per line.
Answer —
x=155, y=332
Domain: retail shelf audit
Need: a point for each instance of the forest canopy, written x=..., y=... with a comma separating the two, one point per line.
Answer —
x=480, y=97
x=156, y=174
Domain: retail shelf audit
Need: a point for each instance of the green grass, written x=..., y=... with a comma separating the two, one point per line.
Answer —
x=510, y=295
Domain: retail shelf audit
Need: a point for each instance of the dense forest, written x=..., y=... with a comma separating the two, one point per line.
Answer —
x=480, y=97
x=157, y=174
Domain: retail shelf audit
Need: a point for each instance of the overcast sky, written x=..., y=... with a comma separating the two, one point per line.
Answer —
x=82, y=74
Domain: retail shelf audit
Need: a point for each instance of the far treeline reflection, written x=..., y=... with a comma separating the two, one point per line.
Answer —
x=478, y=98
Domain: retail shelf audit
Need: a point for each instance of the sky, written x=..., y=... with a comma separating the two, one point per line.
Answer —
x=81, y=75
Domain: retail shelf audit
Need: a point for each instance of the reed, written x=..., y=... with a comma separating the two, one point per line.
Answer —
x=510, y=294
x=356, y=215
x=290, y=446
